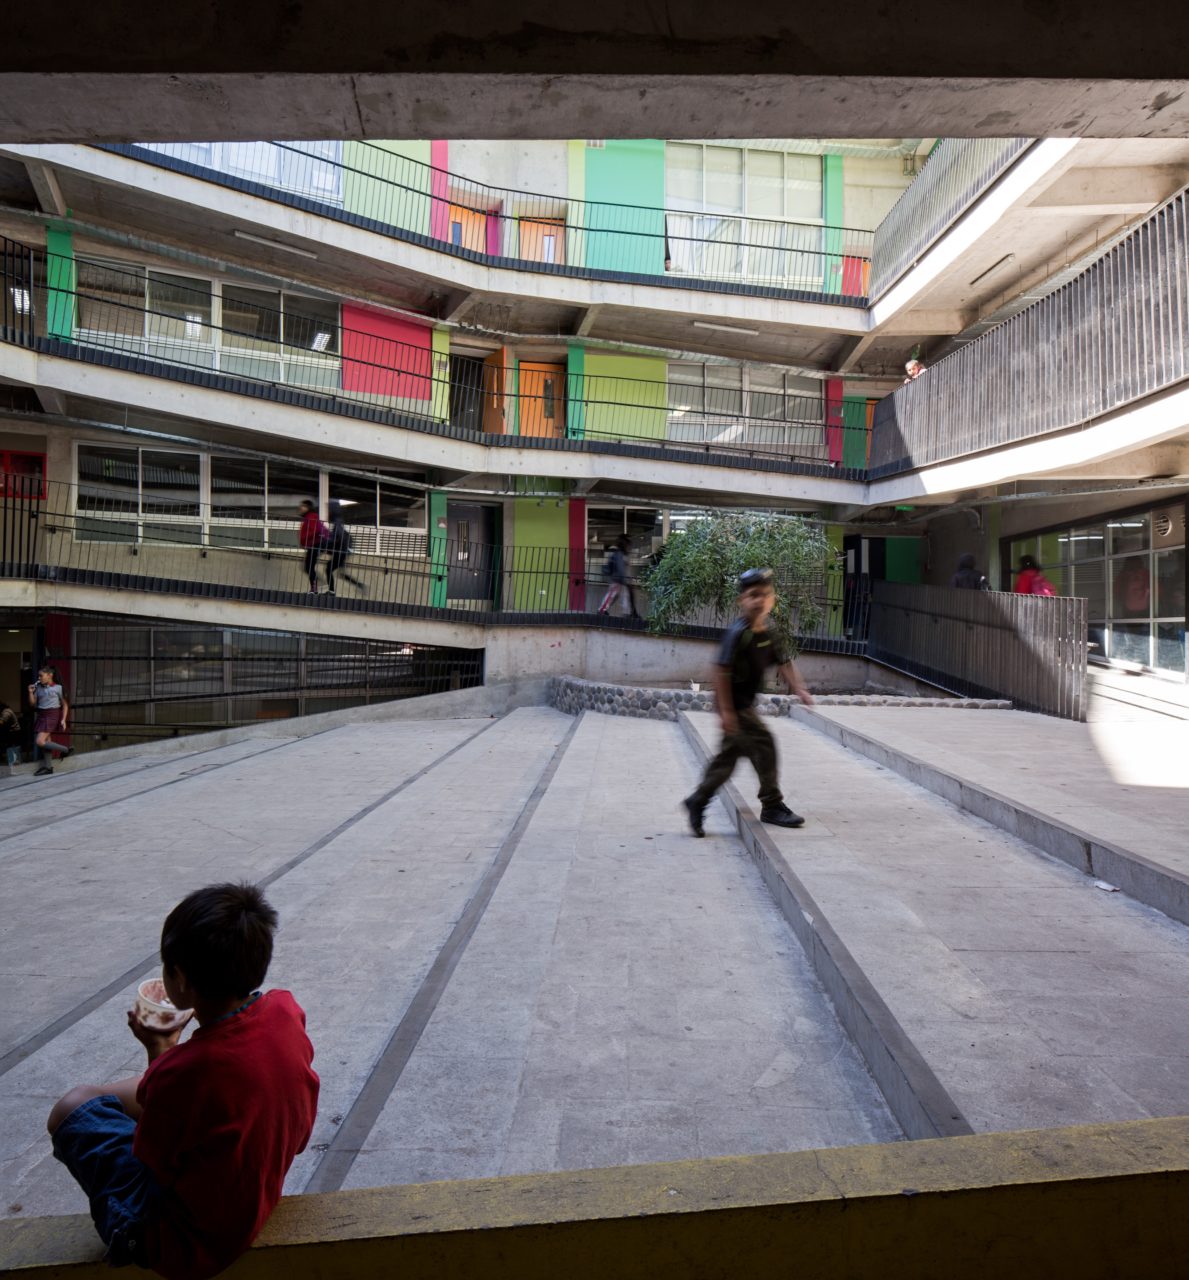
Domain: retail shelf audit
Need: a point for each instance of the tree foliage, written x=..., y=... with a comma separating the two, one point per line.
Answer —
x=699, y=569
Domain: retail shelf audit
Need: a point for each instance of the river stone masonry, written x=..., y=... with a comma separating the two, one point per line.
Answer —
x=570, y=694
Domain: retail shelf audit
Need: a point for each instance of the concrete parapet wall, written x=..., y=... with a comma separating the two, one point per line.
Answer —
x=570, y=694
x=1093, y=1201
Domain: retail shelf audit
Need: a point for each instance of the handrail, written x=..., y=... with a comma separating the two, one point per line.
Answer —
x=91, y=534
x=42, y=298
x=956, y=173
x=410, y=200
x=1116, y=333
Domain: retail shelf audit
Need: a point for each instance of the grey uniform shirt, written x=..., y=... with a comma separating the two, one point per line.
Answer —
x=49, y=696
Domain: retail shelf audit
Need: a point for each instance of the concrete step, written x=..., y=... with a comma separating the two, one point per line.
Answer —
x=1033, y=998
x=631, y=994
x=1107, y=798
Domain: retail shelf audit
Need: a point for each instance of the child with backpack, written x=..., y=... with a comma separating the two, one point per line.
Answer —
x=312, y=536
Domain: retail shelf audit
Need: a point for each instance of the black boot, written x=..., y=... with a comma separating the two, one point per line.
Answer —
x=696, y=808
x=780, y=815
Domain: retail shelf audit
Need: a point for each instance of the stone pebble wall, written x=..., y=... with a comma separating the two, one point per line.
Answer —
x=569, y=694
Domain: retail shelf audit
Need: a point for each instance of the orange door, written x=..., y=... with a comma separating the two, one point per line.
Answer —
x=495, y=392
x=468, y=228
x=543, y=239
x=542, y=399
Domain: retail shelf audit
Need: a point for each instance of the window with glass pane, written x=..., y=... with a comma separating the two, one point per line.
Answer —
x=724, y=389
x=683, y=176
x=401, y=508
x=724, y=180
x=110, y=663
x=803, y=399
x=803, y=187
x=237, y=501
x=108, y=478
x=686, y=393
x=603, y=526
x=1131, y=587
x=1170, y=646
x=644, y=530
x=179, y=308
x=313, y=168
x=263, y=660
x=1170, y=583
x=251, y=317
x=288, y=485
x=1084, y=544
x=356, y=497
x=170, y=482
x=311, y=324
x=1089, y=580
x=187, y=662
x=1128, y=533
x=111, y=299
x=1131, y=642
x=765, y=184
x=766, y=394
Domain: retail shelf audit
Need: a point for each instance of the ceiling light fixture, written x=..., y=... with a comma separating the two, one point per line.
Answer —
x=727, y=328
x=273, y=244
x=1007, y=257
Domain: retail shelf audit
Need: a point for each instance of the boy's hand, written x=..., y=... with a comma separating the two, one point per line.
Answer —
x=805, y=696
x=156, y=1041
x=730, y=723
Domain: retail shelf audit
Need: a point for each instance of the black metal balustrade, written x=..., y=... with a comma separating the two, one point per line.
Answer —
x=956, y=173
x=986, y=644
x=159, y=323
x=149, y=541
x=1113, y=335
x=380, y=190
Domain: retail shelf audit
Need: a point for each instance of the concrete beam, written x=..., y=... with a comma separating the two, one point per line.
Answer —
x=1126, y=191
x=458, y=304
x=978, y=1207
x=587, y=322
x=46, y=188
x=924, y=323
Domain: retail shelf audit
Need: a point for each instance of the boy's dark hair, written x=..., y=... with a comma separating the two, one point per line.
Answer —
x=221, y=939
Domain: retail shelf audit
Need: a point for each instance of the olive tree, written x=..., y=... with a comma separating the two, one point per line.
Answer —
x=698, y=569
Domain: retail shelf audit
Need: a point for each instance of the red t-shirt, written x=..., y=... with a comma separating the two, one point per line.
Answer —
x=224, y=1116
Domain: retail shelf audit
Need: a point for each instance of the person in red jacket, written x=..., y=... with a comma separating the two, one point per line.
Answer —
x=183, y=1164
x=1030, y=581
x=312, y=535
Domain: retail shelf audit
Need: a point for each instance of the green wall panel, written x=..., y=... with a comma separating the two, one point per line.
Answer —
x=540, y=554
x=903, y=560
x=854, y=431
x=403, y=201
x=575, y=405
x=626, y=396
x=626, y=174
x=437, y=550
x=61, y=282
x=832, y=215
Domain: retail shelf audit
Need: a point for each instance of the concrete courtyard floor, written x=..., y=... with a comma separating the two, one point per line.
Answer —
x=514, y=957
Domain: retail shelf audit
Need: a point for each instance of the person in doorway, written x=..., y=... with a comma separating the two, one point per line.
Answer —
x=617, y=572
x=10, y=736
x=747, y=650
x=1133, y=589
x=312, y=536
x=52, y=708
x=183, y=1164
x=968, y=577
x=1030, y=581
x=338, y=548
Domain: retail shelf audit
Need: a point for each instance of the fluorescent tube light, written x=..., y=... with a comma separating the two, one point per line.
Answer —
x=727, y=328
x=321, y=341
x=1007, y=257
x=273, y=244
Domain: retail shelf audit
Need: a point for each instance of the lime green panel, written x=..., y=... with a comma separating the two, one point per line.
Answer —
x=61, y=279
x=440, y=393
x=576, y=189
x=626, y=396
x=437, y=550
x=541, y=555
x=903, y=560
x=388, y=181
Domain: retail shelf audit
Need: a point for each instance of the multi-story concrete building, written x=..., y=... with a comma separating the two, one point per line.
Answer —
x=498, y=357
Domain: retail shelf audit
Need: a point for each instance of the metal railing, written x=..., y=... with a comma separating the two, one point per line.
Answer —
x=1031, y=649
x=80, y=535
x=163, y=323
x=956, y=173
x=1117, y=332
x=376, y=188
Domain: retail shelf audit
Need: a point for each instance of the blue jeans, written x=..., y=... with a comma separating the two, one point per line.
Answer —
x=95, y=1143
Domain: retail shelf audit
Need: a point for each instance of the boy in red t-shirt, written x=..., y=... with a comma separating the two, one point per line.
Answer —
x=183, y=1165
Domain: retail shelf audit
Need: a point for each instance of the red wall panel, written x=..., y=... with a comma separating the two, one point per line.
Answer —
x=386, y=356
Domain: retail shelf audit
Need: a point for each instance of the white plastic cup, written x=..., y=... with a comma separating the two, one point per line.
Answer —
x=155, y=1009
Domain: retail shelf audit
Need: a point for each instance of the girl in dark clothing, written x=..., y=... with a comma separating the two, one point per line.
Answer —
x=312, y=536
x=338, y=544
x=617, y=571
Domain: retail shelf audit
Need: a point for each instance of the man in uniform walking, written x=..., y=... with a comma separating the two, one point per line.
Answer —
x=747, y=650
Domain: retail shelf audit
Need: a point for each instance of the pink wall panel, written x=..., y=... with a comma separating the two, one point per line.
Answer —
x=385, y=355
x=439, y=204
x=578, y=554
x=834, y=419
